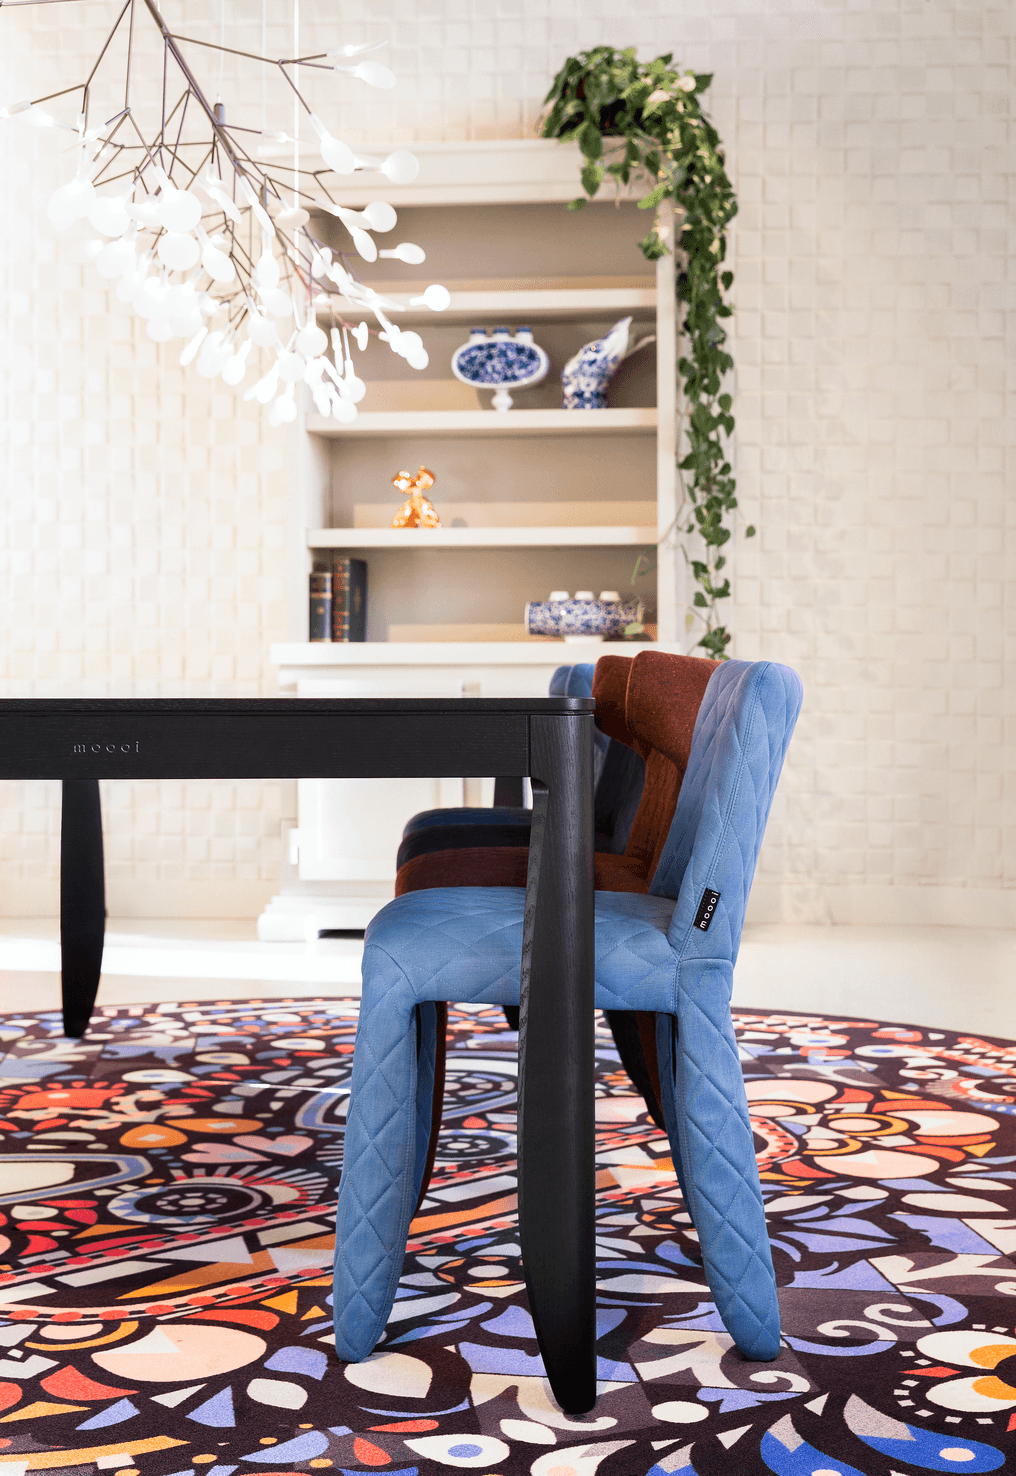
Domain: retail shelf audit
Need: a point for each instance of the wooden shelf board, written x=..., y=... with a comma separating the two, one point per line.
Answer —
x=559, y=513
x=533, y=304
x=417, y=538
x=382, y=423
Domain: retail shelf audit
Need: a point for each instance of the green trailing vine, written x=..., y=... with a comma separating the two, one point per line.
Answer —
x=630, y=116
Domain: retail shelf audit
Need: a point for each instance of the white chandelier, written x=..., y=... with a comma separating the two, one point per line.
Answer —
x=211, y=244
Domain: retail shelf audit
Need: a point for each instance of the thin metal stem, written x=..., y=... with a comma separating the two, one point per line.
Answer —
x=195, y=88
x=230, y=50
x=296, y=111
x=141, y=136
x=282, y=68
x=105, y=48
x=166, y=120
x=130, y=54
x=179, y=131
x=165, y=84
x=269, y=61
x=50, y=95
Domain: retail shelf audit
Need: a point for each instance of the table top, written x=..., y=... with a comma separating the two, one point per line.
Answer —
x=293, y=706
x=274, y=737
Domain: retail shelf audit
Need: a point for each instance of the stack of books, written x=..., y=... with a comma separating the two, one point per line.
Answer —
x=338, y=600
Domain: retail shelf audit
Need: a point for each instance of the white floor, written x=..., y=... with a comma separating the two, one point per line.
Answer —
x=948, y=978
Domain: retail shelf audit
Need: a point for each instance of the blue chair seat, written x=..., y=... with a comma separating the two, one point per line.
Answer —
x=464, y=944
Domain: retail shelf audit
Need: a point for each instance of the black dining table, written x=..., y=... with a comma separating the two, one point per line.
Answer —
x=549, y=739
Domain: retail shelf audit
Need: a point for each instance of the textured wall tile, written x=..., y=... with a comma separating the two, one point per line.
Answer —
x=143, y=517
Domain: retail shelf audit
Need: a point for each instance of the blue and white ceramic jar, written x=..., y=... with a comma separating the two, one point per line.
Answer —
x=586, y=375
x=499, y=362
x=581, y=619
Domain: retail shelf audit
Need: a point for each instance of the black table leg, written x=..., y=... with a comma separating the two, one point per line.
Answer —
x=82, y=901
x=556, y=1116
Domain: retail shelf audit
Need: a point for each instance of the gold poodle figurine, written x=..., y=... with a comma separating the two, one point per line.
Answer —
x=417, y=511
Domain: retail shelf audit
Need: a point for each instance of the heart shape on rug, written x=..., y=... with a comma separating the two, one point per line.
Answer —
x=289, y=1146
x=222, y=1153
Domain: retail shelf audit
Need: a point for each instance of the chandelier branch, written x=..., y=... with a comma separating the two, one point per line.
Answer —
x=209, y=242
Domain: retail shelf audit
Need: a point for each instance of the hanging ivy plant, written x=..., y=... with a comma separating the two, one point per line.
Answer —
x=628, y=116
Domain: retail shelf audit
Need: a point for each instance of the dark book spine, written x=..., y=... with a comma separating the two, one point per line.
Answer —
x=349, y=599
x=320, y=606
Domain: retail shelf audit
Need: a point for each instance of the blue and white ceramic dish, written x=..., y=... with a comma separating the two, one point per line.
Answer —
x=500, y=362
x=585, y=376
x=581, y=619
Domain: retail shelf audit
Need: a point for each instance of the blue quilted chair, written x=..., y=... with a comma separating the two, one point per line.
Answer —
x=667, y=950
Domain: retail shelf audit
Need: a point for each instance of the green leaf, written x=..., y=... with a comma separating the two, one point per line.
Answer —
x=579, y=204
x=590, y=141
x=652, y=247
x=592, y=174
x=749, y=532
x=650, y=201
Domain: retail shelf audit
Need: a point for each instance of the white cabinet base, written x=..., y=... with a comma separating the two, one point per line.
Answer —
x=293, y=918
x=338, y=862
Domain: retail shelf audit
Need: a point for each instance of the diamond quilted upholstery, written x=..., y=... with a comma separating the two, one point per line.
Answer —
x=464, y=944
x=741, y=735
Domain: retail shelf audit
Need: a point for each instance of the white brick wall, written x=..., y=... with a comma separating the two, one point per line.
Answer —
x=142, y=517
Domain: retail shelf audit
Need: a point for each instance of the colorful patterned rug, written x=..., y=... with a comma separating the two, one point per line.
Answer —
x=167, y=1185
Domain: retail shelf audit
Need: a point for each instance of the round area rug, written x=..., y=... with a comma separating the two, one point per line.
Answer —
x=167, y=1187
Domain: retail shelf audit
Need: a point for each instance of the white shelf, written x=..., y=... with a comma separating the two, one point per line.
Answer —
x=417, y=538
x=495, y=171
x=557, y=304
x=384, y=423
x=421, y=654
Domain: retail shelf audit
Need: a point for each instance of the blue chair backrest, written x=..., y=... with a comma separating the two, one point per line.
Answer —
x=740, y=740
x=577, y=681
x=618, y=772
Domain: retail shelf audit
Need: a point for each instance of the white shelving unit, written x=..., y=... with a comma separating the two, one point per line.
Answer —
x=491, y=218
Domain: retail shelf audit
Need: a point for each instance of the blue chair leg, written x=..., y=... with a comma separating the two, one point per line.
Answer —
x=707, y=1121
x=387, y=1131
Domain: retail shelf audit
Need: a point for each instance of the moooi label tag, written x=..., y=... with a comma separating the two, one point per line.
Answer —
x=133, y=746
x=706, y=908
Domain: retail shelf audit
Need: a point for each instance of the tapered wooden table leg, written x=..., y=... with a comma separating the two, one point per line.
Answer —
x=82, y=902
x=556, y=1041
